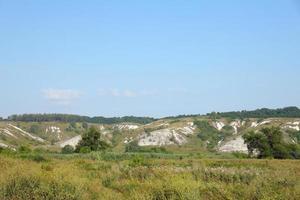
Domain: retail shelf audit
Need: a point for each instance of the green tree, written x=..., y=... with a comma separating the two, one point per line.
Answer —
x=92, y=139
x=85, y=125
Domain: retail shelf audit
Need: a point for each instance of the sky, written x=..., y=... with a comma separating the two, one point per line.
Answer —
x=148, y=58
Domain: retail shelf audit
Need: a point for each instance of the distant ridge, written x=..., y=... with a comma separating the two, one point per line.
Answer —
x=78, y=118
x=288, y=112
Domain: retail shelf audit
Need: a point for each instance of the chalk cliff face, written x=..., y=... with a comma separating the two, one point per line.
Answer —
x=224, y=135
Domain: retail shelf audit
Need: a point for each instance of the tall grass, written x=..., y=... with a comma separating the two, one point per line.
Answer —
x=139, y=176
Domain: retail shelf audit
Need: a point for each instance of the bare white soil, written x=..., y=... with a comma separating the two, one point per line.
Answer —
x=236, y=125
x=72, y=142
x=218, y=125
x=235, y=145
x=127, y=126
x=256, y=124
x=3, y=145
x=7, y=132
x=161, y=138
x=292, y=125
x=53, y=129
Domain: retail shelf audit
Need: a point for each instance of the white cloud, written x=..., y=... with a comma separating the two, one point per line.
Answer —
x=115, y=92
x=124, y=93
x=128, y=93
x=59, y=96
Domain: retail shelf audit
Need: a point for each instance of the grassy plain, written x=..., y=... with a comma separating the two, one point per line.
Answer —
x=145, y=176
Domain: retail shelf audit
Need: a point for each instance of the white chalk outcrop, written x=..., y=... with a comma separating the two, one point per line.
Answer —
x=128, y=140
x=292, y=125
x=53, y=129
x=236, y=125
x=6, y=146
x=256, y=124
x=189, y=129
x=235, y=145
x=161, y=137
x=167, y=136
x=3, y=145
x=218, y=125
x=126, y=126
x=7, y=132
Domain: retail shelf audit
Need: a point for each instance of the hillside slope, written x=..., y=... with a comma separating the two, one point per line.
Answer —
x=186, y=134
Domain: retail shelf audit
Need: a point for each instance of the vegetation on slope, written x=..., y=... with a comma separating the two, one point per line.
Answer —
x=210, y=134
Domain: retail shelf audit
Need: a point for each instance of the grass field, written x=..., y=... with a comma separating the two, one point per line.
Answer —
x=145, y=176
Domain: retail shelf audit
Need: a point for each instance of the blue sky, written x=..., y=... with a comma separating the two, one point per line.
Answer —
x=148, y=58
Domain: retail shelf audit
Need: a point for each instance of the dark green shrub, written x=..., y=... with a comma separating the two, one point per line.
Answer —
x=68, y=149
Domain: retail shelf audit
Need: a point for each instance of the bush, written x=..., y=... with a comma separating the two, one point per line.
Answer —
x=85, y=150
x=137, y=161
x=24, y=149
x=38, y=158
x=68, y=149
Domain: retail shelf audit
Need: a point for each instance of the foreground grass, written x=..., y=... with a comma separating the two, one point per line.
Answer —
x=140, y=177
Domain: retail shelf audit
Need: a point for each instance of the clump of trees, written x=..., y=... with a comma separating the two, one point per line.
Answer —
x=91, y=141
x=268, y=142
